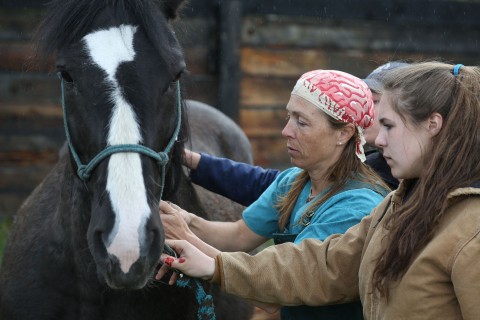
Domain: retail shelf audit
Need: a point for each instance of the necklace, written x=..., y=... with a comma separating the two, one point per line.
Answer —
x=310, y=196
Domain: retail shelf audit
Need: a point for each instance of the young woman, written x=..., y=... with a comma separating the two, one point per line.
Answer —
x=417, y=254
x=328, y=190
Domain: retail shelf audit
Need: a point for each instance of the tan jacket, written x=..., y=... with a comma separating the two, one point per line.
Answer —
x=443, y=281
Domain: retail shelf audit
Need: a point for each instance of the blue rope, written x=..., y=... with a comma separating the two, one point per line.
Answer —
x=206, y=309
x=84, y=170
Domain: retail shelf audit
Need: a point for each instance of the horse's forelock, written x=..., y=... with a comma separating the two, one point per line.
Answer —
x=67, y=21
x=172, y=7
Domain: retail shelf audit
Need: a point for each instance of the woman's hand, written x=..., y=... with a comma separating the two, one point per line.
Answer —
x=175, y=221
x=191, y=261
x=191, y=159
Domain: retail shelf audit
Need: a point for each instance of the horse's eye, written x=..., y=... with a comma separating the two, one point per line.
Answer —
x=178, y=76
x=66, y=77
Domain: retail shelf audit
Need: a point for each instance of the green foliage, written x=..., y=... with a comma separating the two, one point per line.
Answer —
x=4, y=230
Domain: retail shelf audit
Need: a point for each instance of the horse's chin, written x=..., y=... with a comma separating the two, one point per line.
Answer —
x=116, y=285
x=136, y=278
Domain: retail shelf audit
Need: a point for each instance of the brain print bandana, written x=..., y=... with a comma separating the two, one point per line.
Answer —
x=340, y=95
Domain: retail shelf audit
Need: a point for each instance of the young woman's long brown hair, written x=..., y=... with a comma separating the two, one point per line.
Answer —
x=350, y=167
x=417, y=92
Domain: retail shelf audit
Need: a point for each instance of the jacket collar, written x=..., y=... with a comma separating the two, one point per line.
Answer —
x=398, y=196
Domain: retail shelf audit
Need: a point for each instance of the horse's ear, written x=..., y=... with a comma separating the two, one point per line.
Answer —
x=172, y=7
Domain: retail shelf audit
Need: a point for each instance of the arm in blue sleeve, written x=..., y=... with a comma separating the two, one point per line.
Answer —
x=240, y=182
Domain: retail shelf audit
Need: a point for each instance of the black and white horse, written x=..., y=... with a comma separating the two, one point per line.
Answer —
x=86, y=243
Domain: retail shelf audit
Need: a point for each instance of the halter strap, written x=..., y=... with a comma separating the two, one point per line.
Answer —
x=84, y=170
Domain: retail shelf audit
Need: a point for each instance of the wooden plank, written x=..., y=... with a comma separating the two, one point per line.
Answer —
x=292, y=62
x=287, y=62
x=283, y=31
x=229, y=73
x=270, y=152
x=262, y=122
x=198, y=60
x=270, y=73
x=20, y=57
x=18, y=23
x=11, y=111
x=29, y=128
x=25, y=88
x=263, y=128
x=23, y=158
x=17, y=182
x=266, y=91
x=435, y=13
x=9, y=203
x=25, y=176
x=15, y=146
x=203, y=88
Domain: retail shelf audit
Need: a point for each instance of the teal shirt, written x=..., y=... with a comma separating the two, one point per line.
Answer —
x=336, y=215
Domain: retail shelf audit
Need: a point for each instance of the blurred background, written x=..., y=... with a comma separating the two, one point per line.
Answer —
x=243, y=57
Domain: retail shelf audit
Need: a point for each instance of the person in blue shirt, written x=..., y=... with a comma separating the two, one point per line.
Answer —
x=223, y=176
x=328, y=190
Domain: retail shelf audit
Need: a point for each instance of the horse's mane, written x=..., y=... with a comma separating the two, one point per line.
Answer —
x=67, y=21
x=173, y=177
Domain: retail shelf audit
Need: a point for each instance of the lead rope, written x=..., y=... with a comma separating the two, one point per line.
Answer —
x=206, y=308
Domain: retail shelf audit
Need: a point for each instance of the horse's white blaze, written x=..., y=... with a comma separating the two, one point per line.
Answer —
x=108, y=48
x=125, y=185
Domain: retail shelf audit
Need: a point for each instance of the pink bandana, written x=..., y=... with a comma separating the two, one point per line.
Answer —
x=340, y=95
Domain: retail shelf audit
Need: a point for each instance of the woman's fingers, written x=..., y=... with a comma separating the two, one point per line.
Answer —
x=174, y=206
x=176, y=245
x=162, y=271
x=191, y=261
x=170, y=208
x=165, y=268
x=166, y=207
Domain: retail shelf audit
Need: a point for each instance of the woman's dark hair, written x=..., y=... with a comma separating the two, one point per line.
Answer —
x=416, y=92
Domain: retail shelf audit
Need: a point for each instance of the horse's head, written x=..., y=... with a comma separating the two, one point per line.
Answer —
x=119, y=62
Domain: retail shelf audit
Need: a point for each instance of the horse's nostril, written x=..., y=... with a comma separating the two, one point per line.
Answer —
x=109, y=265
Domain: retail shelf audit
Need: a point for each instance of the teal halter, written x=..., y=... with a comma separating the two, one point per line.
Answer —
x=84, y=170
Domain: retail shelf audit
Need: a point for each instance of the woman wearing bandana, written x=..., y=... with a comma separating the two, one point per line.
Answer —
x=328, y=190
x=223, y=176
x=416, y=256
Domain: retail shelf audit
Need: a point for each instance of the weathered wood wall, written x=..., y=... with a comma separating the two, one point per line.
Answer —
x=276, y=42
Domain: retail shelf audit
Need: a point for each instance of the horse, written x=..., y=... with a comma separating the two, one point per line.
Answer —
x=86, y=243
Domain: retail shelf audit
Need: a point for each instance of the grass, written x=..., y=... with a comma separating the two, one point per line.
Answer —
x=4, y=230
